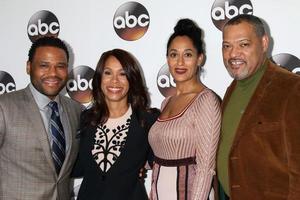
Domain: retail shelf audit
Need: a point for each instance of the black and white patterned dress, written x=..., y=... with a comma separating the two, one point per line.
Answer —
x=110, y=139
x=111, y=156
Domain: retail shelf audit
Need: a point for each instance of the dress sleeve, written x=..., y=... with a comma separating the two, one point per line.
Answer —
x=207, y=122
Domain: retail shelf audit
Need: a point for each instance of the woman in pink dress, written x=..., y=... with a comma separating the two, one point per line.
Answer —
x=184, y=138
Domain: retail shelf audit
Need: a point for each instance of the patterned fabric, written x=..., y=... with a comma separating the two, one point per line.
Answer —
x=110, y=139
x=28, y=168
x=58, y=136
x=121, y=181
x=173, y=176
x=194, y=132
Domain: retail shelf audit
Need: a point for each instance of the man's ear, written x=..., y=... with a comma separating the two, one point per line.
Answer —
x=28, y=67
x=265, y=42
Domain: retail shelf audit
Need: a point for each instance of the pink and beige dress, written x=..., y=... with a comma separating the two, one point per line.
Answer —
x=185, y=150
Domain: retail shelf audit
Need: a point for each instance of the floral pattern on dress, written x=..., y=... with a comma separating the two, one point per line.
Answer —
x=109, y=144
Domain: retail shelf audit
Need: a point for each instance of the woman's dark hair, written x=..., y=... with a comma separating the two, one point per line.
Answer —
x=137, y=94
x=189, y=28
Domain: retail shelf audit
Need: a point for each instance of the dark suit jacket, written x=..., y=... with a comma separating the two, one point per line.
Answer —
x=121, y=181
x=264, y=161
x=26, y=165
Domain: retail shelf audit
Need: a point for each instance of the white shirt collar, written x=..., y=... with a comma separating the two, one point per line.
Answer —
x=41, y=99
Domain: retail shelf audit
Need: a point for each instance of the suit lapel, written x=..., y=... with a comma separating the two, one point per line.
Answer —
x=252, y=107
x=71, y=120
x=33, y=113
x=70, y=136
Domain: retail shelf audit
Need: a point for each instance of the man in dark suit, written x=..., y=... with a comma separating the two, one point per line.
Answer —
x=259, y=152
x=37, y=129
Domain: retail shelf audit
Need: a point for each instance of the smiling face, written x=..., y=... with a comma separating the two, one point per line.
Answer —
x=183, y=59
x=243, y=50
x=114, y=83
x=48, y=70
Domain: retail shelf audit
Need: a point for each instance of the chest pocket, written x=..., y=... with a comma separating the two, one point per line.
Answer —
x=266, y=127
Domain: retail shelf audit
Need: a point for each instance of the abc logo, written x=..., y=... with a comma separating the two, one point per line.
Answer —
x=223, y=10
x=79, y=85
x=288, y=61
x=42, y=23
x=165, y=82
x=131, y=21
x=7, y=83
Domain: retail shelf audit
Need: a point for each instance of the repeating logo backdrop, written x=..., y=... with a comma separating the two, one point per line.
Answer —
x=165, y=81
x=223, y=10
x=7, y=83
x=42, y=23
x=140, y=27
x=288, y=61
x=79, y=85
x=131, y=21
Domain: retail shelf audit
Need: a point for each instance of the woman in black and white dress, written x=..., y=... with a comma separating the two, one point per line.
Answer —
x=114, y=131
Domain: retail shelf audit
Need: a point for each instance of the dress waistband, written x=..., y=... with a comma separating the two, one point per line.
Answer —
x=175, y=162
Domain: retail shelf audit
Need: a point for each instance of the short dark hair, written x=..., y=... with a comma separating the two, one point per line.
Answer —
x=251, y=19
x=137, y=94
x=189, y=28
x=47, y=41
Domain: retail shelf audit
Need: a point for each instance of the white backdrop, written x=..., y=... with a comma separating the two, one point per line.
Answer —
x=88, y=27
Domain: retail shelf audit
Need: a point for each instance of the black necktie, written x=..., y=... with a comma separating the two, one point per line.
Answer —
x=58, y=137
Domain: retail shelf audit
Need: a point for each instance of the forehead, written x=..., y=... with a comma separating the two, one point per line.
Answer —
x=49, y=51
x=238, y=31
x=181, y=42
x=112, y=63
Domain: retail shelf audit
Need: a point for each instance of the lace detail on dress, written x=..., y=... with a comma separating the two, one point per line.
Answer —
x=109, y=144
